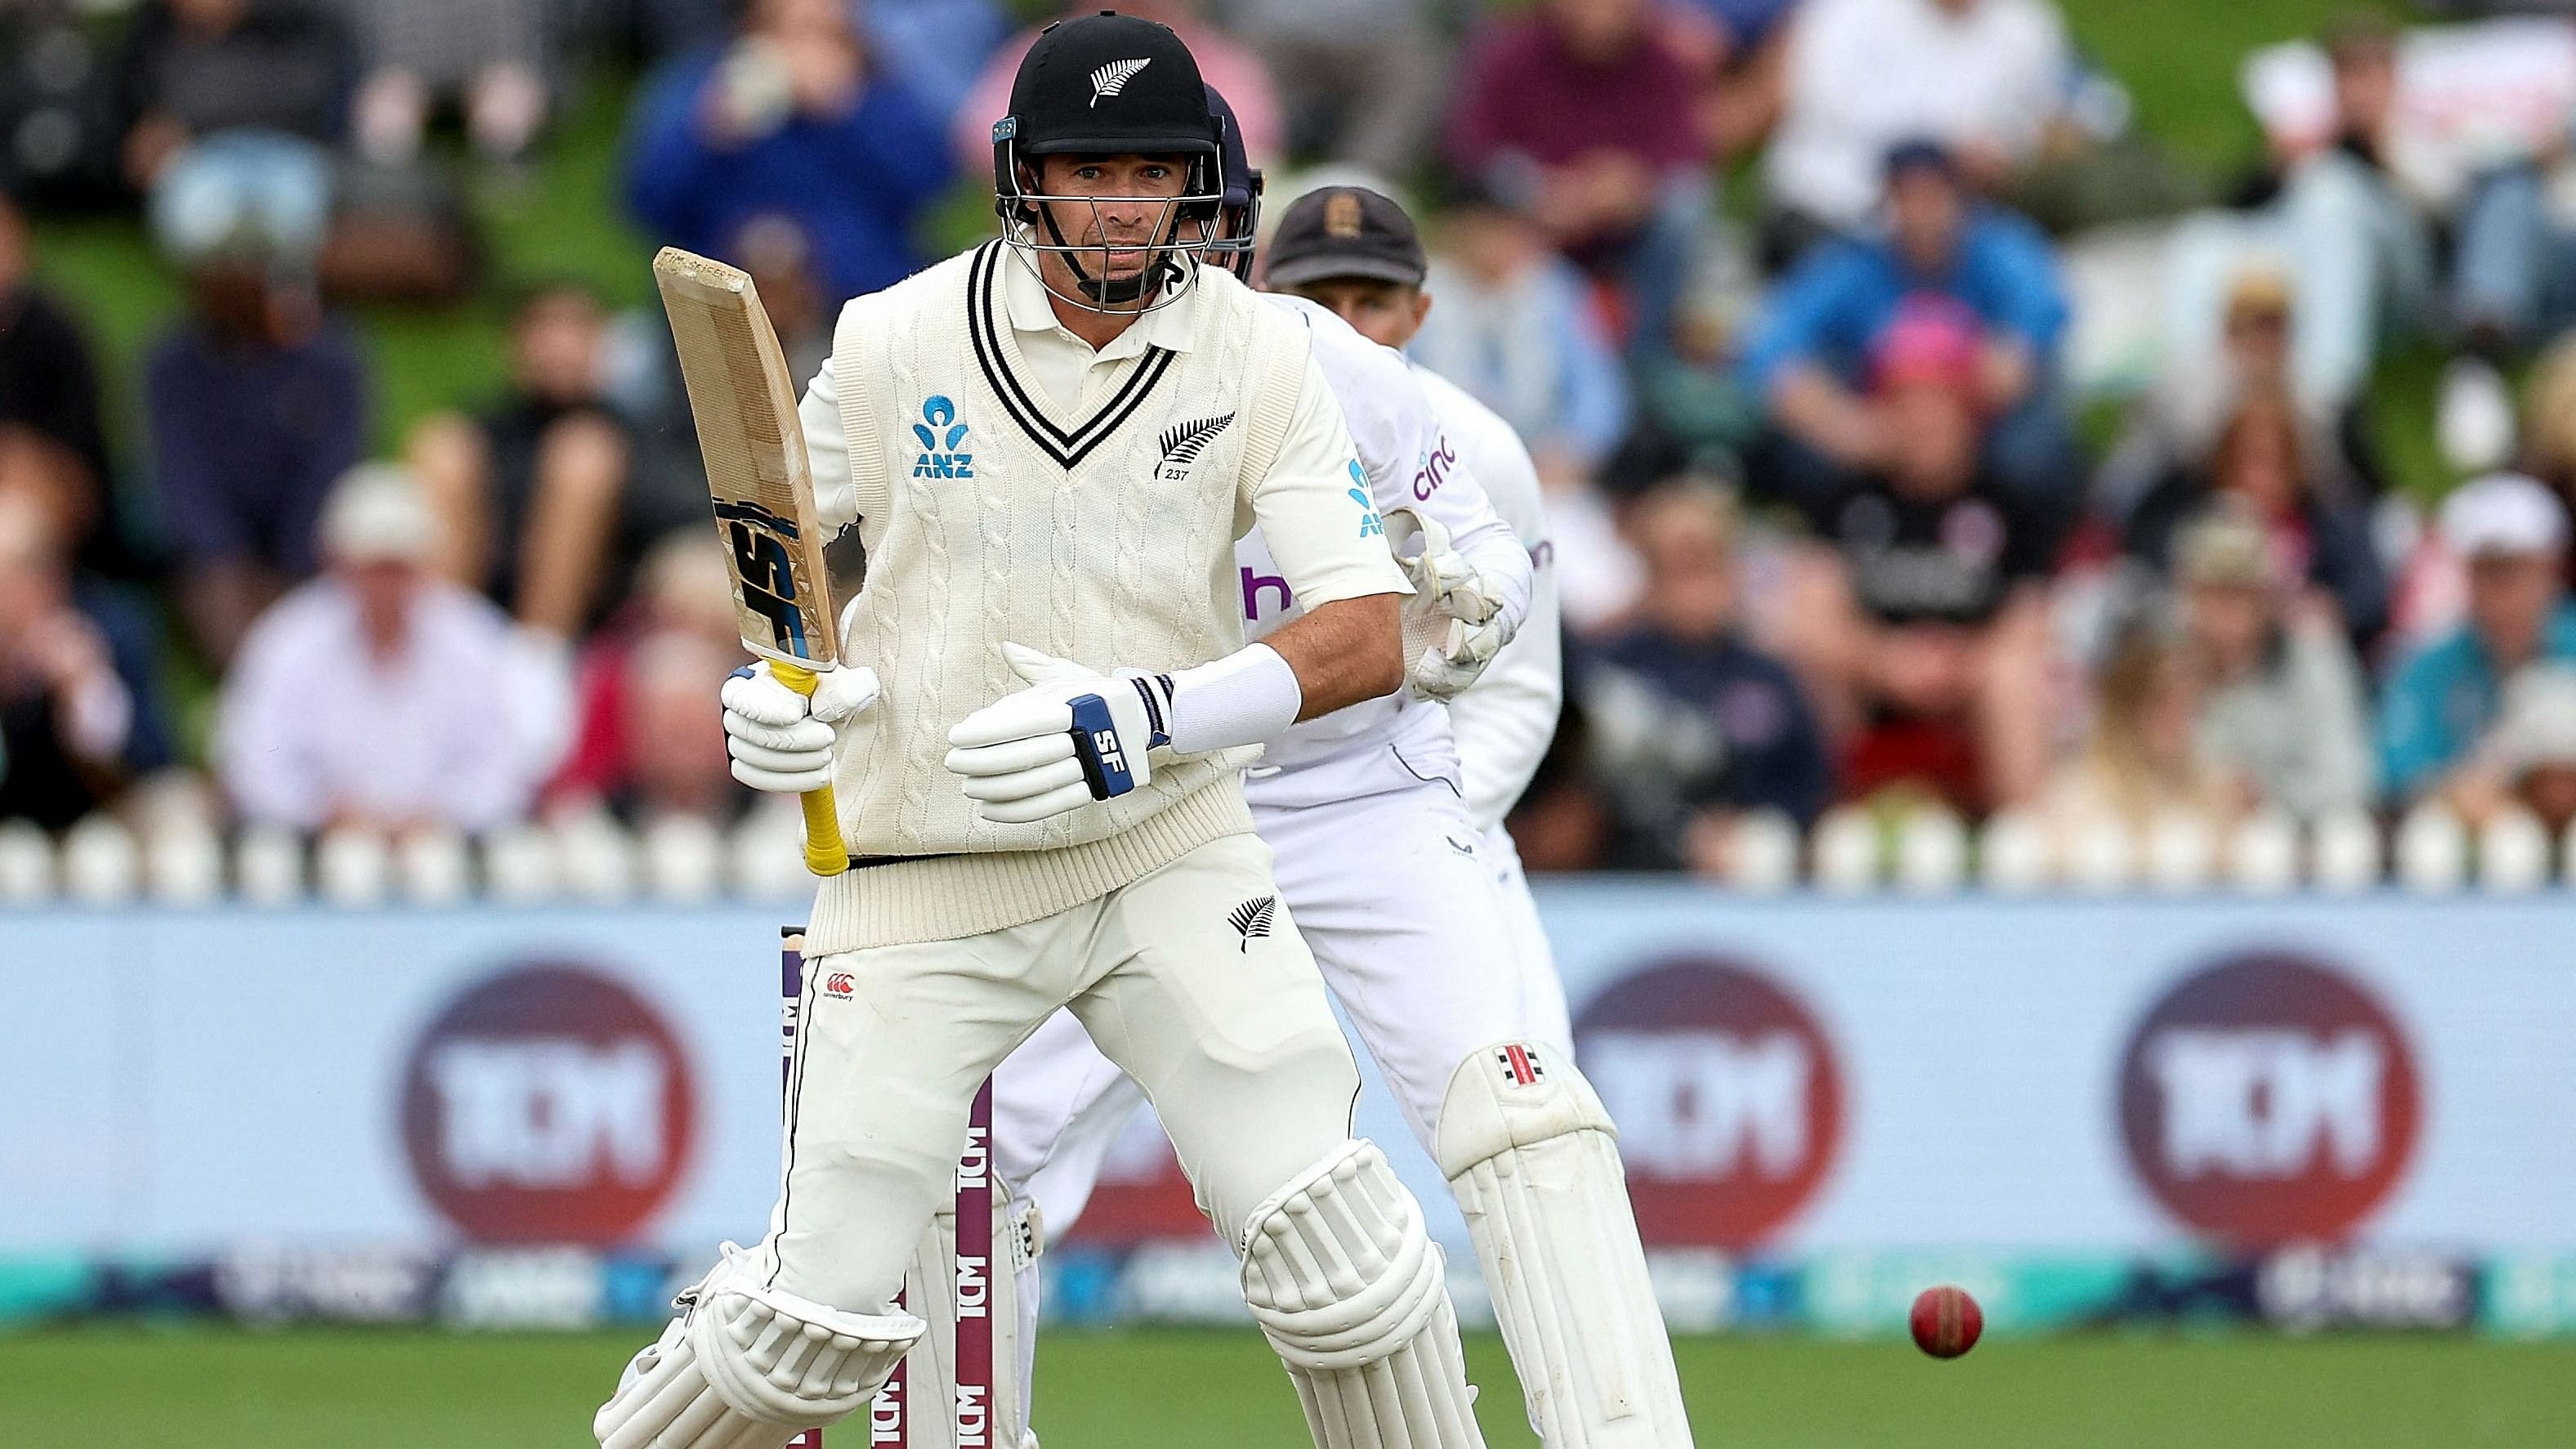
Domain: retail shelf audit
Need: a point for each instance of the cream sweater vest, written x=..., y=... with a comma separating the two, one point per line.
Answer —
x=1103, y=534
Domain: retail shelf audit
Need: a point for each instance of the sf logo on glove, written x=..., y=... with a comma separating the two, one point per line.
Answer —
x=1073, y=737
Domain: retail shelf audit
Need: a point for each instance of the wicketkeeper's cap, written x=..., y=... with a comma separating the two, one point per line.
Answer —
x=1346, y=231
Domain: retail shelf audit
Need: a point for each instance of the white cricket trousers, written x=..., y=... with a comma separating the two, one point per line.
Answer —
x=1425, y=931
x=1208, y=1001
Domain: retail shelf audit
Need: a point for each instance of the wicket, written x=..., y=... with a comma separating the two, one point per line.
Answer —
x=889, y=1421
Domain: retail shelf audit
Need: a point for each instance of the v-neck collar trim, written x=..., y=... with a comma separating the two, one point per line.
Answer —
x=997, y=352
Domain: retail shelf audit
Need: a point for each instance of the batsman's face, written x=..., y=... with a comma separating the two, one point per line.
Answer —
x=1120, y=204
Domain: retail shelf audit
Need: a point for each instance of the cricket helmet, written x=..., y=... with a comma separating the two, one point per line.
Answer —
x=1108, y=85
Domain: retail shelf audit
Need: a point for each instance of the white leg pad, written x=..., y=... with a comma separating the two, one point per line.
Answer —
x=1352, y=1293
x=931, y=1286
x=749, y=1367
x=1534, y=1161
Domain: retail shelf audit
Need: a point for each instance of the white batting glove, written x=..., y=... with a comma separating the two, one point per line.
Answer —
x=1452, y=626
x=781, y=741
x=1073, y=736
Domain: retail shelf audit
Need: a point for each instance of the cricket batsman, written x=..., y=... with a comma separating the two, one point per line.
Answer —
x=1386, y=822
x=1050, y=446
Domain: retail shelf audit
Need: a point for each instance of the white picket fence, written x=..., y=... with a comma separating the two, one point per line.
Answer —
x=105, y=861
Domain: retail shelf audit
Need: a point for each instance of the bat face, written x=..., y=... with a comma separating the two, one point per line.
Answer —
x=757, y=475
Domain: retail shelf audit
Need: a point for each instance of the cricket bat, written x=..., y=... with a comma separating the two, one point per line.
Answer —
x=762, y=487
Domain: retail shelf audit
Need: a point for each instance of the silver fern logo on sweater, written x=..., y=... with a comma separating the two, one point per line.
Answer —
x=1112, y=78
x=1253, y=918
x=1182, y=444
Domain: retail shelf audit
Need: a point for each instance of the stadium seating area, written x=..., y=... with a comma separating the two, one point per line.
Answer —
x=1957, y=473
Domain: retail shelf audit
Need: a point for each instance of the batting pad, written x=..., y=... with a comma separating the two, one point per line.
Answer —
x=931, y=1285
x=749, y=1367
x=1349, y=1290
x=1532, y=1156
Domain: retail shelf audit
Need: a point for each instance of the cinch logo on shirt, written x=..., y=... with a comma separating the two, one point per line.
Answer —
x=1370, y=527
x=939, y=456
x=1435, y=469
x=1257, y=584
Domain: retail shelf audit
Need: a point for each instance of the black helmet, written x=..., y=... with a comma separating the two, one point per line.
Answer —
x=1239, y=217
x=1107, y=85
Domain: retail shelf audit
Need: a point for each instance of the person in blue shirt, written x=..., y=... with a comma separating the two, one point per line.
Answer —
x=1692, y=725
x=1807, y=357
x=794, y=118
x=2443, y=703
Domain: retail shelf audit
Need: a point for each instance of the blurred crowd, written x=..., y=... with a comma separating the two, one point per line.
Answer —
x=1787, y=297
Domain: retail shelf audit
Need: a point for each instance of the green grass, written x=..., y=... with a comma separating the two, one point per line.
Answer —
x=142, y=1389
x=2179, y=60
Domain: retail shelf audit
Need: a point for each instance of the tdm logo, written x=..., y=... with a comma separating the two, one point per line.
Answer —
x=1727, y=1094
x=2270, y=1099
x=548, y=1104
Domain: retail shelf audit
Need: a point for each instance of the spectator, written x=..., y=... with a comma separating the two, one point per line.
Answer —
x=2320, y=533
x=1743, y=47
x=58, y=107
x=1516, y=328
x=2282, y=703
x=531, y=492
x=1584, y=116
x=1229, y=67
x=79, y=715
x=2475, y=162
x=2549, y=427
x=256, y=404
x=1690, y=724
x=939, y=47
x=2345, y=212
x=50, y=439
x=1986, y=78
x=674, y=746
x=2141, y=765
x=2535, y=743
x=780, y=258
x=234, y=107
x=1920, y=620
x=2440, y=706
x=484, y=55
x=682, y=590
x=2180, y=421
x=1808, y=355
x=1362, y=77
x=380, y=696
x=792, y=118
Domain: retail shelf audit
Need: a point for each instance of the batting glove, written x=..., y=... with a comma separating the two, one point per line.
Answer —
x=1073, y=736
x=1452, y=626
x=781, y=741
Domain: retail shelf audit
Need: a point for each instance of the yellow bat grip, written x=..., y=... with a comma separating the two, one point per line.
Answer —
x=825, y=853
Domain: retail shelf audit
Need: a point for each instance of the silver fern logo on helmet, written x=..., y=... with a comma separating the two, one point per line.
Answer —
x=1112, y=78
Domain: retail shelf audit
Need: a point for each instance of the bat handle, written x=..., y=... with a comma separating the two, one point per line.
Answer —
x=825, y=854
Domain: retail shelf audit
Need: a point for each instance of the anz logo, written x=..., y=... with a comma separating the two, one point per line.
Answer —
x=941, y=436
x=1370, y=526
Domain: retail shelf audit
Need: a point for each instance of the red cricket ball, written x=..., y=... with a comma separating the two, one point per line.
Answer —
x=1946, y=1321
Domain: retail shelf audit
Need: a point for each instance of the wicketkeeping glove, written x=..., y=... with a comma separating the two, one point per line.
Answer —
x=1073, y=736
x=780, y=741
x=1452, y=625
